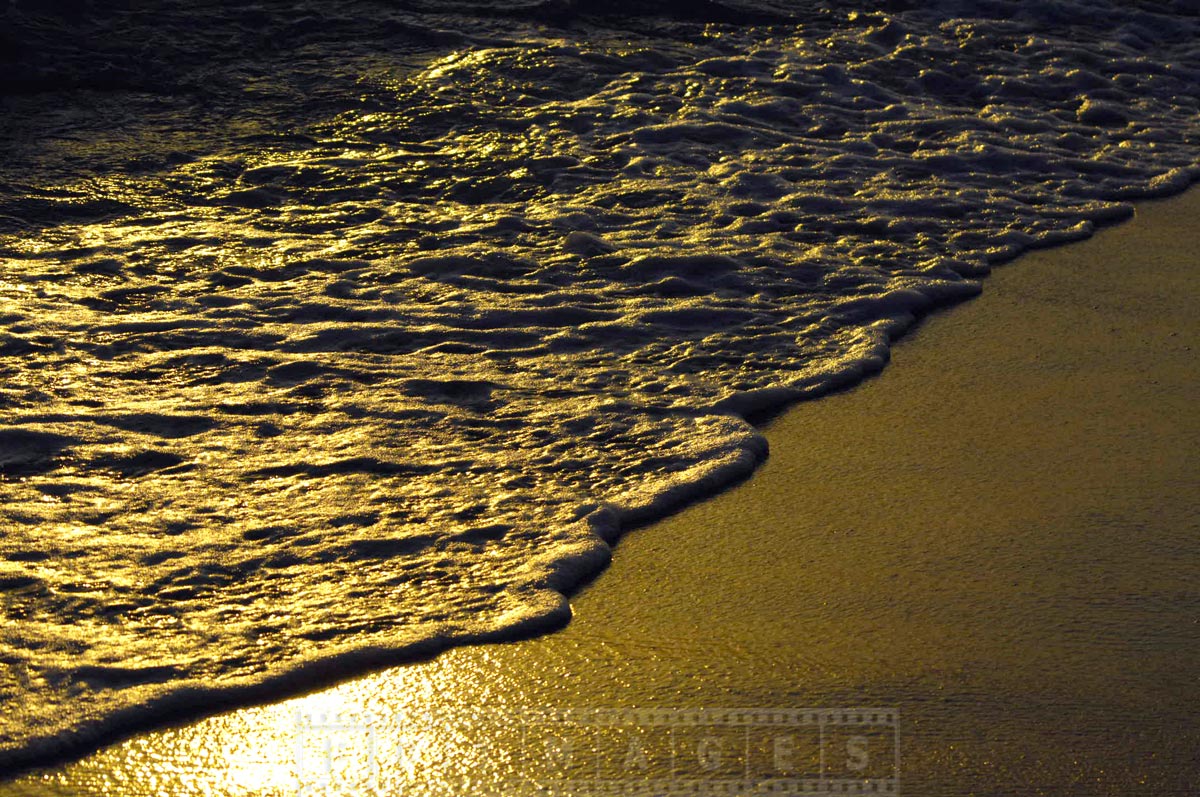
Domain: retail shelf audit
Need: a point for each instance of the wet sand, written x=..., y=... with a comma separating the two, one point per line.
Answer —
x=998, y=539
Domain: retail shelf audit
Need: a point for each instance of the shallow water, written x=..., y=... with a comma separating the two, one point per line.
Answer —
x=994, y=543
x=317, y=350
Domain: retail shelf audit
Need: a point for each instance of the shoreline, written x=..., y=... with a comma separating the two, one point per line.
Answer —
x=270, y=377
x=628, y=576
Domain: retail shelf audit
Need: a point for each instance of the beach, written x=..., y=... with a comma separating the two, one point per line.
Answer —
x=340, y=334
x=995, y=539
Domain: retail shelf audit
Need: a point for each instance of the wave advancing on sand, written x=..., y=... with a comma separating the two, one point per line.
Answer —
x=399, y=376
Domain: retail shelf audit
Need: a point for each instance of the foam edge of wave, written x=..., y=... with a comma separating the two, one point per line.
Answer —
x=559, y=575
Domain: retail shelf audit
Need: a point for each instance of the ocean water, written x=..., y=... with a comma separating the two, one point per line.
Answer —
x=335, y=333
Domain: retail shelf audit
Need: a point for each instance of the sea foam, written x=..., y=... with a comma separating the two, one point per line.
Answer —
x=321, y=398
